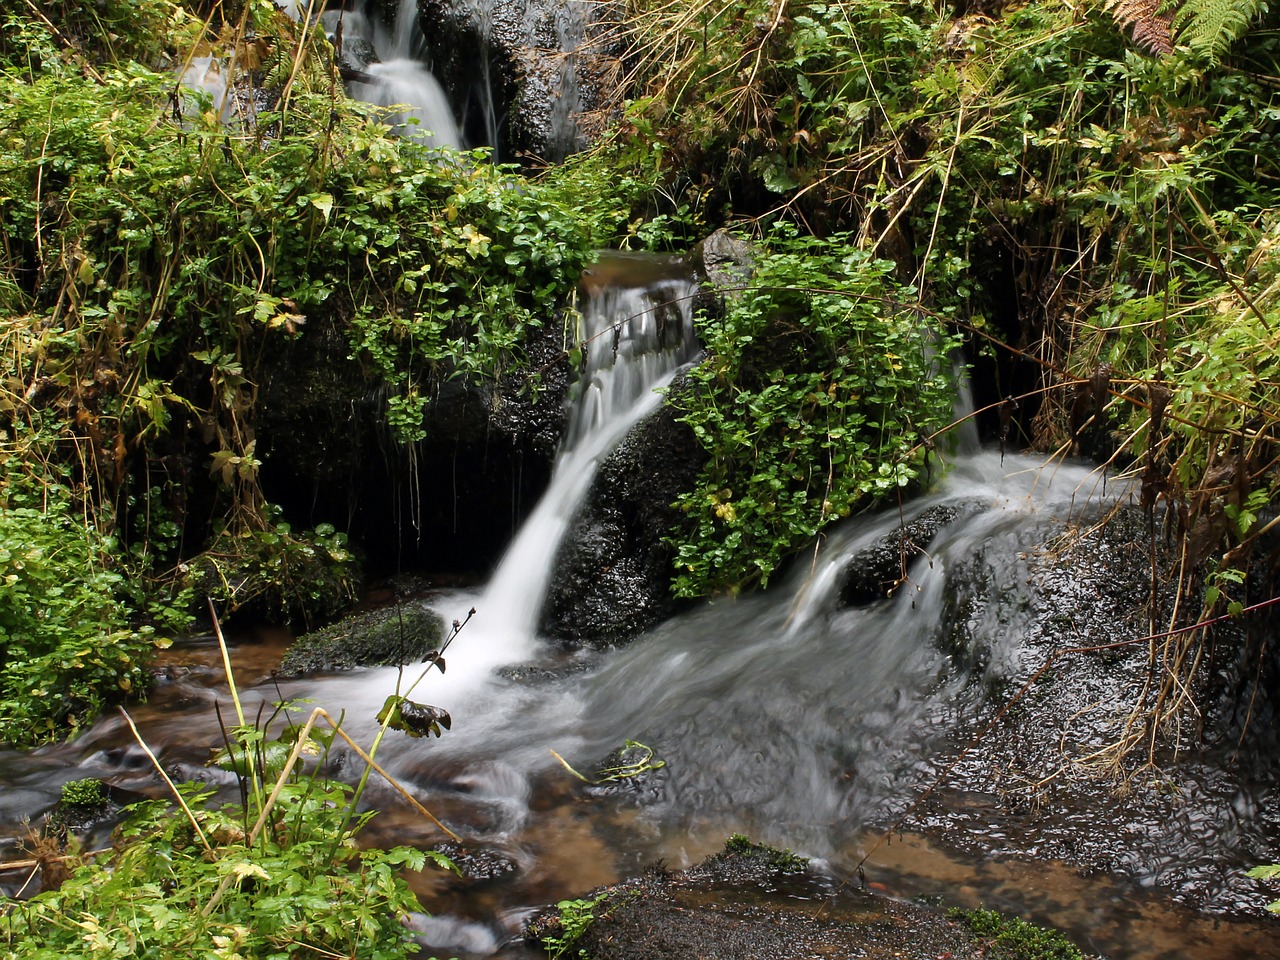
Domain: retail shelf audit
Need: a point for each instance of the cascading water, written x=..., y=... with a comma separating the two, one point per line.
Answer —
x=398, y=80
x=636, y=331
x=633, y=339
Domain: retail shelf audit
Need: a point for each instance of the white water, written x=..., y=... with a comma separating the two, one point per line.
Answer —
x=636, y=330
x=414, y=102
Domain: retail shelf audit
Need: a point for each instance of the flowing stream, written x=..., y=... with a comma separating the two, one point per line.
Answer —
x=795, y=715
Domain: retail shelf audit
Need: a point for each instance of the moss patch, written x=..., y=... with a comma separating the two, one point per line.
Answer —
x=388, y=636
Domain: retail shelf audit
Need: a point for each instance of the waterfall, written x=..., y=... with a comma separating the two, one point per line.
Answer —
x=635, y=332
x=414, y=100
x=397, y=79
x=634, y=336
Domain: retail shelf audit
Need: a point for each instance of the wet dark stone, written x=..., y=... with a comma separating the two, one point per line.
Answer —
x=1051, y=625
x=521, y=75
x=613, y=573
x=82, y=816
x=389, y=636
x=632, y=773
x=742, y=906
x=454, y=501
x=477, y=864
x=874, y=573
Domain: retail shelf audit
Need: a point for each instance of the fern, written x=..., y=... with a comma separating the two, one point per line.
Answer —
x=1209, y=27
x=1148, y=20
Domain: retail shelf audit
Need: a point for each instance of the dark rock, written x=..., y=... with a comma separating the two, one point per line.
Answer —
x=613, y=573
x=87, y=803
x=521, y=73
x=328, y=457
x=477, y=864
x=874, y=573
x=388, y=636
x=740, y=905
x=632, y=773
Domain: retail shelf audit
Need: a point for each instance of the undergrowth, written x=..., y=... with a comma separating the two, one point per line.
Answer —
x=277, y=874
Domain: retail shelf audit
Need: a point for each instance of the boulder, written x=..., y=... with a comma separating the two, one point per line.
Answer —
x=388, y=636
x=746, y=902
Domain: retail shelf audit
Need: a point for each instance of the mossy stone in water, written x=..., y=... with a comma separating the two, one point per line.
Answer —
x=388, y=636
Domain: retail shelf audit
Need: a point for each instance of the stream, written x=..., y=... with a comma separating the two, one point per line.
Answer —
x=798, y=715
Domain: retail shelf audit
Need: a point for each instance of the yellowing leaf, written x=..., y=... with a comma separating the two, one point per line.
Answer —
x=323, y=202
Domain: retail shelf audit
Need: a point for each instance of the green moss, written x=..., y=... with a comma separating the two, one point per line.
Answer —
x=784, y=861
x=389, y=636
x=1012, y=939
x=89, y=792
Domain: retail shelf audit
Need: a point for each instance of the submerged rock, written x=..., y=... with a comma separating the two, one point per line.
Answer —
x=388, y=636
x=477, y=864
x=874, y=573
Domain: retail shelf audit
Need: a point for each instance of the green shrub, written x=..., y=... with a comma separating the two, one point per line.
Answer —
x=819, y=394
x=66, y=644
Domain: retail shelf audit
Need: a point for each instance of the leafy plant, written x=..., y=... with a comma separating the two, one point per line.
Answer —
x=277, y=875
x=88, y=792
x=574, y=919
x=820, y=395
x=67, y=643
x=1269, y=872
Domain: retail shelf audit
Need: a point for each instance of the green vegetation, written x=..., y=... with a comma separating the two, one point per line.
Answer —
x=1012, y=939
x=175, y=886
x=785, y=861
x=1269, y=872
x=574, y=919
x=277, y=874
x=89, y=792
x=822, y=391
x=67, y=645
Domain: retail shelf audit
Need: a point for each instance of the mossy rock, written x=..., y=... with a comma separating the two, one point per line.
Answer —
x=385, y=637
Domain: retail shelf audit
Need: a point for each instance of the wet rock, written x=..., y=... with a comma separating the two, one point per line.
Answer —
x=874, y=573
x=552, y=670
x=745, y=903
x=1052, y=626
x=87, y=803
x=388, y=636
x=613, y=573
x=477, y=864
x=631, y=773
x=522, y=73
x=724, y=264
x=450, y=503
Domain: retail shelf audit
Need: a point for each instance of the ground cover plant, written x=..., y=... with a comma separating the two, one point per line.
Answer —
x=276, y=874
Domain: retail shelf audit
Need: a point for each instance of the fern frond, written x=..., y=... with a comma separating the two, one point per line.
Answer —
x=1209, y=27
x=1148, y=21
